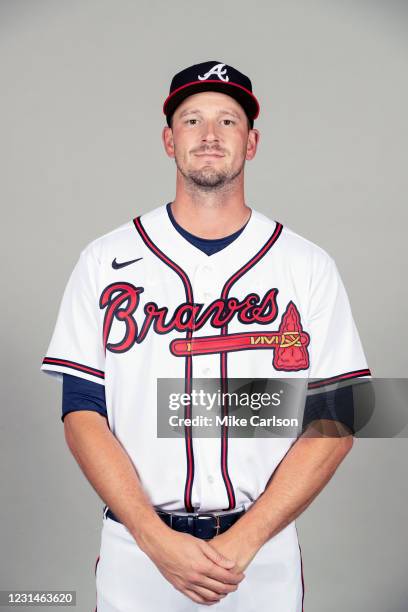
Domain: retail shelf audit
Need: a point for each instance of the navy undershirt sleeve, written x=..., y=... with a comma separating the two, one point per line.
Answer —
x=335, y=405
x=81, y=394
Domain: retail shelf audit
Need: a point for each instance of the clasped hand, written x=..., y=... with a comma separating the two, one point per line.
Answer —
x=205, y=571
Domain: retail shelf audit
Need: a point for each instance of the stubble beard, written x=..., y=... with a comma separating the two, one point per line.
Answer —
x=209, y=178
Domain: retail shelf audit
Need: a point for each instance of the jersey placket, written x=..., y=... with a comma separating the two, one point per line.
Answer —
x=209, y=491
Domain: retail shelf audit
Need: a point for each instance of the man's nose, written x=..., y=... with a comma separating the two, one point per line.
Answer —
x=210, y=133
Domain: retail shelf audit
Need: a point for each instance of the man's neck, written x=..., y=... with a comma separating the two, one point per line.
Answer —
x=210, y=218
x=210, y=214
x=210, y=221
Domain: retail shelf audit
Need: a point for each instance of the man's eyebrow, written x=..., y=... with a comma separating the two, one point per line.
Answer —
x=229, y=112
x=189, y=110
x=222, y=111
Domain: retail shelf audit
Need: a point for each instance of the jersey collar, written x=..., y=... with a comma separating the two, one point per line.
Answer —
x=161, y=231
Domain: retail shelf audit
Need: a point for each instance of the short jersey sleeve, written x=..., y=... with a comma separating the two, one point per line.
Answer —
x=76, y=345
x=336, y=352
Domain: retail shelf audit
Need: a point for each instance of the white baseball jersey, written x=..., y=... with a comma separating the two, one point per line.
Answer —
x=142, y=302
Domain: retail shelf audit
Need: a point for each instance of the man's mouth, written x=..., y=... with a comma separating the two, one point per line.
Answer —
x=209, y=154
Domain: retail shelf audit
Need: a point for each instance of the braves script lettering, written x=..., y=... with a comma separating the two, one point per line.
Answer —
x=121, y=300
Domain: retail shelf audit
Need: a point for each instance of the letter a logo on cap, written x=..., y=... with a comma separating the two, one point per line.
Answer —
x=217, y=70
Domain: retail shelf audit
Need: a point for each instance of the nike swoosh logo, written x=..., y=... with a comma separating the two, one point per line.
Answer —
x=117, y=266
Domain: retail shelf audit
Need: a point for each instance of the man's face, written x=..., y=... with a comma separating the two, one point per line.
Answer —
x=210, y=139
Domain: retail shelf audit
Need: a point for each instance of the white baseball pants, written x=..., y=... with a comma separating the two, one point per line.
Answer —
x=128, y=581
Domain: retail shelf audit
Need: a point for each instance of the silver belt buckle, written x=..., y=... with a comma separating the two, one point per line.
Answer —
x=211, y=515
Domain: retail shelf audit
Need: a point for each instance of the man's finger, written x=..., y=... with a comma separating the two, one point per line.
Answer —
x=221, y=588
x=224, y=576
x=197, y=598
x=207, y=594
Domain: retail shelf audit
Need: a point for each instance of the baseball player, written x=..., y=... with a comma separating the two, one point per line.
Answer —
x=191, y=290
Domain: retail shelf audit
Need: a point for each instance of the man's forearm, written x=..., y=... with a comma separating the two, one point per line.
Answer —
x=111, y=472
x=303, y=473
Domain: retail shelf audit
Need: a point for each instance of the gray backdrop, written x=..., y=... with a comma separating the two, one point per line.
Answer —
x=82, y=85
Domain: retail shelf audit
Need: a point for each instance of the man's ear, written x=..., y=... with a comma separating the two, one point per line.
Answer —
x=168, y=142
x=252, y=144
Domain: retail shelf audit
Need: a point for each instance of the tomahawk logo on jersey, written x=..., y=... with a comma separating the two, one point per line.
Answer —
x=143, y=303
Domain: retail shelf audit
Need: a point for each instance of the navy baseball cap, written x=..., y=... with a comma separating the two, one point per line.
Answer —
x=212, y=76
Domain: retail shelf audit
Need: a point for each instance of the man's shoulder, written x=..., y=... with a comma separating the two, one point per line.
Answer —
x=107, y=241
x=119, y=241
x=294, y=243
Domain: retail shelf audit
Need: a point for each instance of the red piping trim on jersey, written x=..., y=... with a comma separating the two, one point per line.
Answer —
x=303, y=580
x=334, y=379
x=188, y=360
x=96, y=565
x=224, y=381
x=213, y=81
x=301, y=566
x=74, y=365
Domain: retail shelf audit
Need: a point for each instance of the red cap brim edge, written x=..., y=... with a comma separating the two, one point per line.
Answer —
x=229, y=83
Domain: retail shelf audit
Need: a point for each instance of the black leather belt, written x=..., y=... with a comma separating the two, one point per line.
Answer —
x=204, y=525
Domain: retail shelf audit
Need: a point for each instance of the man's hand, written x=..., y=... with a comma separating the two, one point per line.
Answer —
x=233, y=545
x=194, y=567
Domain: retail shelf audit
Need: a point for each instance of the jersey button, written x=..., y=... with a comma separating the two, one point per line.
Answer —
x=210, y=479
x=207, y=371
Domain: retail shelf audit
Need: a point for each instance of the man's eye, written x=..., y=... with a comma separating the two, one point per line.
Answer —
x=228, y=121
x=190, y=121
